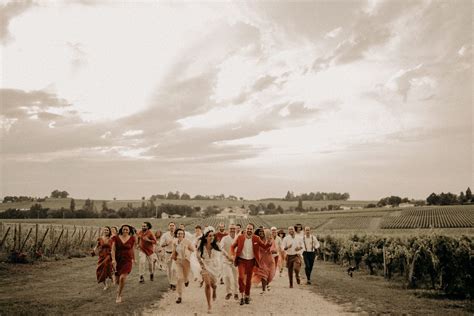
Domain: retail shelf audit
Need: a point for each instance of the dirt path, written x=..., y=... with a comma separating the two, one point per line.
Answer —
x=280, y=300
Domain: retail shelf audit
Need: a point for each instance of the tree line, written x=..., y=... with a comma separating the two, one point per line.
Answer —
x=90, y=210
x=317, y=196
x=185, y=196
x=450, y=198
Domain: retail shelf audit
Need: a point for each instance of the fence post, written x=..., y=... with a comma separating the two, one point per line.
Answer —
x=90, y=237
x=19, y=235
x=26, y=239
x=4, y=237
x=40, y=245
x=14, y=238
x=57, y=242
x=384, y=262
x=66, y=248
x=36, y=237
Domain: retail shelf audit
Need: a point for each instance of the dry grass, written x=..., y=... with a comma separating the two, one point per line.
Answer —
x=371, y=294
x=68, y=287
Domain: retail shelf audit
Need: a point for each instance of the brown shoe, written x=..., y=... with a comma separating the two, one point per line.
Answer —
x=178, y=301
x=228, y=296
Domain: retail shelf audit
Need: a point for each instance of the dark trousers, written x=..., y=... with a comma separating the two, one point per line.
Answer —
x=293, y=263
x=245, y=275
x=308, y=257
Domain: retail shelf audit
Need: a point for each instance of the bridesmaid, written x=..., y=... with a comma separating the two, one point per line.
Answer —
x=182, y=249
x=104, y=269
x=208, y=257
x=123, y=256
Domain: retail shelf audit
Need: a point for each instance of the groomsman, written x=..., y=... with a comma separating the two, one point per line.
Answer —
x=310, y=243
x=293, y=245
x=167, y=243
x=230, y=272
x=247, y=250
x=146, y=253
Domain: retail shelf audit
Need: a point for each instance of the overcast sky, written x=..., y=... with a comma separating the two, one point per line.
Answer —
x=250, y=98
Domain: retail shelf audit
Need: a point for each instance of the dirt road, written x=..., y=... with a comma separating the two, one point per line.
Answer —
x=280, y=300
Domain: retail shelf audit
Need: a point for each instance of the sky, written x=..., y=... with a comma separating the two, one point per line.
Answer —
x=111, y=99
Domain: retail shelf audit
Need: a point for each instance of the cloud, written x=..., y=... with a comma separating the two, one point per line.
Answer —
x=334, y=33
x=8, y=11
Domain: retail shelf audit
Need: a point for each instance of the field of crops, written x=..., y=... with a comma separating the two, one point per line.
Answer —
x=351, y=222
x=431, y=217
x=117, y=204
x=214, y=221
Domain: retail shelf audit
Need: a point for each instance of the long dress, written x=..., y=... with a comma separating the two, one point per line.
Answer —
x=265, y=269
x=124, y=254
x=212, y=264
x=104, y=264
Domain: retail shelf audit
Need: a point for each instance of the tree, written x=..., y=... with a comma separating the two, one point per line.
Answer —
x=290, y=196
x=394, y=200
x=433, y=199
x=299, y=208
x=72, y=205
x=88, y=205
x=468, y=195
x=105, y=208
x=185, y=196
x=462, y=197
x=56, y=194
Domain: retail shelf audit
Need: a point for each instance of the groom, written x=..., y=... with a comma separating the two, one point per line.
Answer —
x=247, y=252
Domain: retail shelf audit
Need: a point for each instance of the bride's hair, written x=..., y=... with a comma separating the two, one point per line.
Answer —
x=203, y=241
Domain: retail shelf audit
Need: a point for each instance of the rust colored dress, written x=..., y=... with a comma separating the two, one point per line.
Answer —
x=104, y=265
x=266, y=267
x=124, y=254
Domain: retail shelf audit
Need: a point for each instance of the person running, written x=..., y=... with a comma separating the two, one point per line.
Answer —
x=167, y=243
x=208, y=258
x=221, y=232
x=310, y=243
x=247, y=250
x=282, y=259
x=182, y=249
x=159, y=252
x=104, y=269
x=146, y=253
x=264, y=270
x=238, y=229
x=123, y=256
x=230, y=272
x=292, y=245
x=276, y=249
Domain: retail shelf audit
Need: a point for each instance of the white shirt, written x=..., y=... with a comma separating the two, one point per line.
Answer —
x=310, y=243
x=247, y=252
x=300, y=236
x=294, y=242
x=226, y=242
x=167, y=238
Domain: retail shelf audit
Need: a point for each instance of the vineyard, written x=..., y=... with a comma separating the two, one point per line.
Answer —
x=433, y=262
x=435, y=217
x=214, y=221
x=352, y=222
x=36, y=240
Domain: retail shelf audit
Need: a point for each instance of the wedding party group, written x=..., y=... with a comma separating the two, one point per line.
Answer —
x=235, y=257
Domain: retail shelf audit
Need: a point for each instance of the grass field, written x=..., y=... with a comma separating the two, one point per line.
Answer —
x=65, y=203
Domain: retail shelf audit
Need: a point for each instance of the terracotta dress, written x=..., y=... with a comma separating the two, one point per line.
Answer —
x=104, y=265
x=265, y=269
x=124, y=254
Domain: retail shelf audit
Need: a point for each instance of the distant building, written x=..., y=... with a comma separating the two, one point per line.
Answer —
x=345, y=207
x=406, y=205
x=164, y=215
